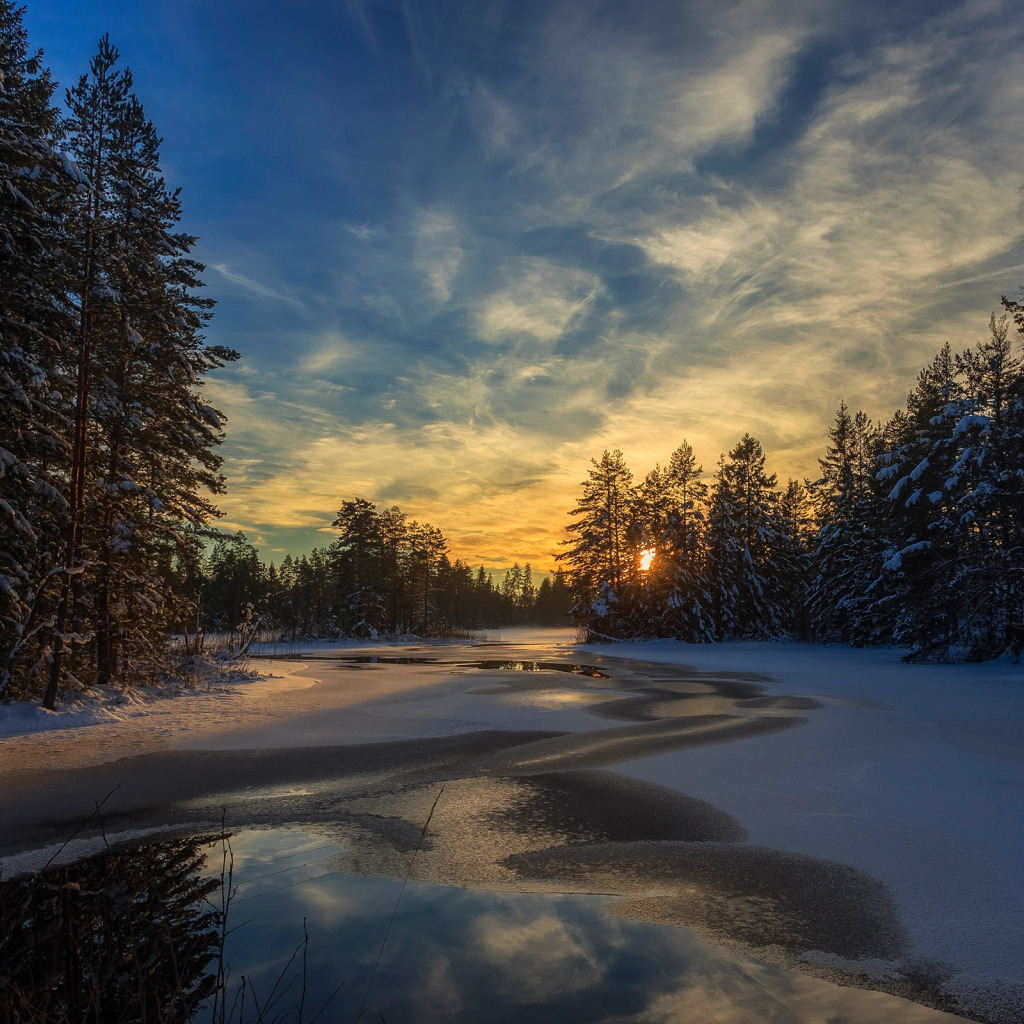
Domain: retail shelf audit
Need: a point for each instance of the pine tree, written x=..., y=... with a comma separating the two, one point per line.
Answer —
x=511, y=585
x=745, y=530
x=427, y=547
x=554, y=600
x=234, y=580
x=37, y=182
x=924, y=539
x=95, y=105
x=643, y=593
x=527, y=593
x=142, y=452
x=455, y=589
x=394, y=532
x=156, y=434
x=358, y=568
x=689, y=607
x=482, y=596
x=847, y=589
x=986, y=496
x=599, y=551
x=792, y=555
x=957, y=504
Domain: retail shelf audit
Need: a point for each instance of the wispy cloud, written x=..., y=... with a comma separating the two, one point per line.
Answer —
x=363, y=232
x=330, y=351
x=539, y=298
x=438, y=254
x=593, y=226
x=255, y=287
x=1004, y=272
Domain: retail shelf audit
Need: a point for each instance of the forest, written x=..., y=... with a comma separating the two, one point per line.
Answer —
x=109, y=467
x=384, y=575
x=108, y=461
x=910, y=536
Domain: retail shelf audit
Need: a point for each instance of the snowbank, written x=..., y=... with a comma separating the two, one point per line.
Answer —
x=912, y=773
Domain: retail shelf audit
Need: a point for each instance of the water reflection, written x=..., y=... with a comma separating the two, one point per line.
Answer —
x=126, y=936
x=132, y=936
x=492, y=957
x=348, y=659
x=538, y=666
x=517, y=665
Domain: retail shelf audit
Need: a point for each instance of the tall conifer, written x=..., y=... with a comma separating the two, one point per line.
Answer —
x=37, y=182
x=745, y=527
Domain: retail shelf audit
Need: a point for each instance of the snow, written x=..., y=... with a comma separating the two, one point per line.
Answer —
x=111, y=706
x=919, y=469
x=911, y=773
x=971, y=420
x=896, y=561
x=72, y=170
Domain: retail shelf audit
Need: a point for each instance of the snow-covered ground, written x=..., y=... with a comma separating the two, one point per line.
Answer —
x=912, y=774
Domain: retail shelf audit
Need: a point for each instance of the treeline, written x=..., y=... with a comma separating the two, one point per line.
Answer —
x=385, y=574
x=107, y=452
x=912, y=535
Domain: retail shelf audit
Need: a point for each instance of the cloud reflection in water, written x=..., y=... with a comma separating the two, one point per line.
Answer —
x=496, y=956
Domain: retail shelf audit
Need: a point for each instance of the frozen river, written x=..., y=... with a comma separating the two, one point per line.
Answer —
x=615, y=833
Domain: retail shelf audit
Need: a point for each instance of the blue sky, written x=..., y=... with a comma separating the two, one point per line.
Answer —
x=464, y=247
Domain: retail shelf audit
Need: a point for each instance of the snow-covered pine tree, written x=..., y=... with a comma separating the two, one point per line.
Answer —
x=144, y=443
x=924, y=550
x=598, y=549
x=94, y=105
x=157, y=436
x=689, y=609
x=643, y=593
x=748, y=584
x=847, y=585
x=36, y=182
x=985, y=489
x=647, y=522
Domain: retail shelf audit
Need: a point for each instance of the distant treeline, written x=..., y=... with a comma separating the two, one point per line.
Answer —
x=385, y=574
x=912, y=535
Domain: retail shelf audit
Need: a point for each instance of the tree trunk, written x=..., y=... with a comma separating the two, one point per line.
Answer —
x=76, y=510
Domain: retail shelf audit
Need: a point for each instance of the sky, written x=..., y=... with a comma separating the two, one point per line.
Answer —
x=464, y=247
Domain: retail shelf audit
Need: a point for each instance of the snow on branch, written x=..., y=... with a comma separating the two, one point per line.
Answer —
x=896, y=562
